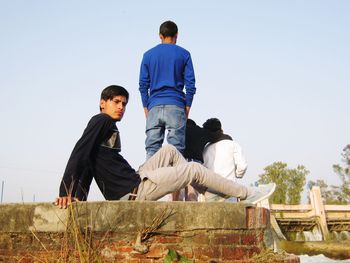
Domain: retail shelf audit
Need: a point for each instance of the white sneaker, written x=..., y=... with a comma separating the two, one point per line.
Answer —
x=260, y=193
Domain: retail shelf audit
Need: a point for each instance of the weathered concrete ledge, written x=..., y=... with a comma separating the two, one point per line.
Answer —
x=205, y=232
x=123, y=216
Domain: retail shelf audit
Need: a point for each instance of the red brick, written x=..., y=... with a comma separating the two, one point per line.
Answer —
x=186, y=251
x=249, y=239
x=157, y=251
x=120, y=256
x=137, y=255
x=25, y=260
x=226, y=239
x=257, y=217
x=133, y=260
x=234, y=253
x=201, y=239
x=255, y=250
x=146, y=260
x=259, y=236
x=121, y=243
x=265, y=217
x=126, y=249
x=168, y=239
x=207, y=252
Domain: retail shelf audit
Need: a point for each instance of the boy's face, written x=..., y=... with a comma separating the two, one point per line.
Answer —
x=115, y=107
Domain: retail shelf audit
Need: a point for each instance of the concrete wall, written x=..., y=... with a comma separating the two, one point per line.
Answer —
x=204, y=232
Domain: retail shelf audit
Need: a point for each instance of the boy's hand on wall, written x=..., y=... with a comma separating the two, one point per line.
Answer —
x=63, y=202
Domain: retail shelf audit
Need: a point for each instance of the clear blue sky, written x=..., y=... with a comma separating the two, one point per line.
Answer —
x=277, y=73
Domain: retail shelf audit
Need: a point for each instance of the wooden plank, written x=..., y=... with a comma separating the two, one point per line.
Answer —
x=318, y=206
x=337, y=215
x=302, y=216
x=276, y=228
x=330, y=208
x=290, y=207
x=293, y=222
x=293, y=215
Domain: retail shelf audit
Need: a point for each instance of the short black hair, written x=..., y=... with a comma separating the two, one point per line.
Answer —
x=190, y=122
x=212, y=124
x=168, y=29
x=112, y=91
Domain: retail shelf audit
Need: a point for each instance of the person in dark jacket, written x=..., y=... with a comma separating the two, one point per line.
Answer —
x=196, y=139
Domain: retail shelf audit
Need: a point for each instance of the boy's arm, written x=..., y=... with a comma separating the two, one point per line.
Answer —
x=146, y=111
x=190, y=82
x=187, y=111
x=239, y=159
x=144, y=84
x=96, y=131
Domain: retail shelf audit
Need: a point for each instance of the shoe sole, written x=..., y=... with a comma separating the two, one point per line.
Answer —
x=265, y=196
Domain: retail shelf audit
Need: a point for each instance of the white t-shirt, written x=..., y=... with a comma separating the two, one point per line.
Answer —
x=226, y=159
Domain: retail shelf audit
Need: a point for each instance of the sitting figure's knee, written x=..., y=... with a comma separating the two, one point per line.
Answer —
x=169, y=147
x=196, y=165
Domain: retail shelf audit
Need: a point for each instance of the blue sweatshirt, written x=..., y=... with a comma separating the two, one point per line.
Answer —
x=165, y=70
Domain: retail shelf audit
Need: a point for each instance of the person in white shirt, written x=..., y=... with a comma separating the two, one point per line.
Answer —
x=225, y=157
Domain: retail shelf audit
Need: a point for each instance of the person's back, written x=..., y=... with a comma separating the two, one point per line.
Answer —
x=165, y=71
x=224, y=157
x=167, y=64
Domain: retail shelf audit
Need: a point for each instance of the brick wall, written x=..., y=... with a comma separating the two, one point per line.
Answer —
x=201, y=245
x=210, y=241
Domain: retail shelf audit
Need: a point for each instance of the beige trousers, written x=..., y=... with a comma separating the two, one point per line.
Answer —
x=167, y=171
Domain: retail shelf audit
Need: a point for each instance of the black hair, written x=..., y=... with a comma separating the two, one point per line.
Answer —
x=168, y=29
x=190, y=122
x=212, y=124
x=112, y=91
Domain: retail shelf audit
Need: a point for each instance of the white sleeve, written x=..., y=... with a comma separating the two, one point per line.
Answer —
x=240, y=161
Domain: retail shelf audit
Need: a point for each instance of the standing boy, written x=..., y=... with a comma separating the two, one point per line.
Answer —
x=165, y=71
x=97, y=155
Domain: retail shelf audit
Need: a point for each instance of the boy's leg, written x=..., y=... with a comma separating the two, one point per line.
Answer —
x=191, y=194
x=161, y=181
x=167, y=156
x=154, y=131
x=175, y=124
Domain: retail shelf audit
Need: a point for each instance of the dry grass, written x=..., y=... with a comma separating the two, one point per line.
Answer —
x=147, y=231
x=268, y=255
x=76, y=245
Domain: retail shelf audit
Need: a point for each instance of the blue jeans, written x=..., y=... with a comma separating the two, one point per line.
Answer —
x=165, y=117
